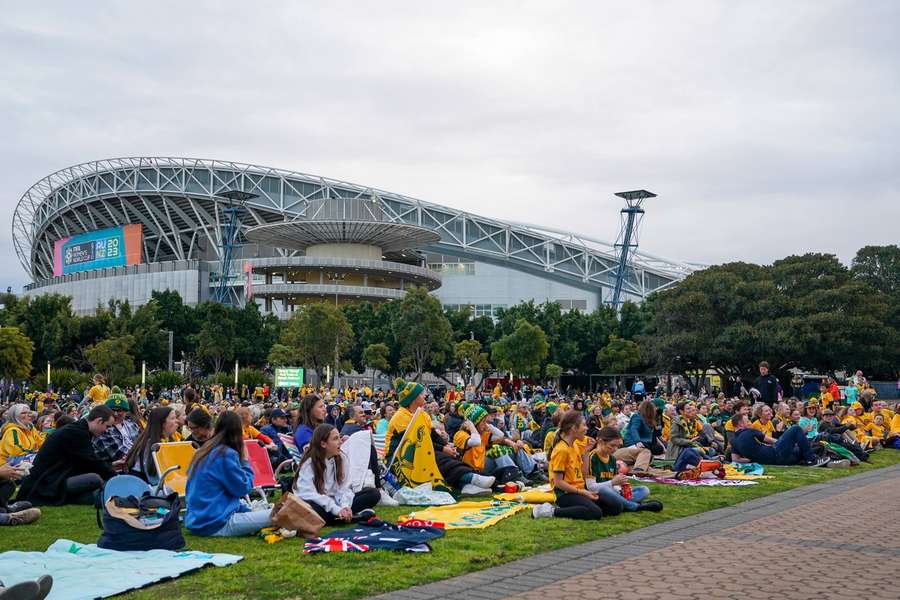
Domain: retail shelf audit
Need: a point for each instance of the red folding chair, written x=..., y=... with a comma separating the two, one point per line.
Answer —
x=263, y=476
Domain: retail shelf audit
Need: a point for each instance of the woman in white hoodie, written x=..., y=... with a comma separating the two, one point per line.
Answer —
x=323, y=481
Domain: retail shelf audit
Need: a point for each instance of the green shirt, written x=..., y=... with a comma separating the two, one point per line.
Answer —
x=603, y=470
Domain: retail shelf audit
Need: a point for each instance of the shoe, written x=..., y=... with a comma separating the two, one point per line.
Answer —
x=387, y=500
x=543, y=511
x=470, y=489
x=24, y=517
x=839, y=464
x=363, y=515
x=482, y=481
x=651, y=505
x=819, y=462
x=690, y=473
x=27, y=590
x=45, y=583
x=18, y=506
x=538, y=477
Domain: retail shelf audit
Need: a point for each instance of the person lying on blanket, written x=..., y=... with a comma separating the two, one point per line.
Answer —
x=411, y=396
x=323, y=481
x=791, y=448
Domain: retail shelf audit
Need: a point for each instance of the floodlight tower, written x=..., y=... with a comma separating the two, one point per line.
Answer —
x=628, y=235
x=233, y=210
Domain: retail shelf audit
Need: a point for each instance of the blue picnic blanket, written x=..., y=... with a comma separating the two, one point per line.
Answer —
x=82, y=571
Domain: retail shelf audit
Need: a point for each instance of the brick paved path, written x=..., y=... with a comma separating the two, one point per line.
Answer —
x=835, y=540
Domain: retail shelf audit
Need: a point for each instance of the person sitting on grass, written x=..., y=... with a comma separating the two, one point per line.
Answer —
x=685, y=445
x=323, y=481
x=411, y=396
x=161, y=425
x=483, y=447
x=567, y=457
x=19, y=436
x=115, y=443
x=252, y=433
x=792, y=448
x=219, y=477
x=199, y=423
x=641, y=429
x=603, y=475
x=17, y=513
x=66, y=470
x=312, y=414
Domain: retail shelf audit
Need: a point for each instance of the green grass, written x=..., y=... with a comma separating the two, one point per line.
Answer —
x=281, y=570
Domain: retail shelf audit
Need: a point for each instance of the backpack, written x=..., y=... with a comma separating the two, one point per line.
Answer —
x=131, y=517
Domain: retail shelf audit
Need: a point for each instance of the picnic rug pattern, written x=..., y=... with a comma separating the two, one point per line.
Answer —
x=468, y=515
x=696, y=482
x=85, y=571
x=374, y=534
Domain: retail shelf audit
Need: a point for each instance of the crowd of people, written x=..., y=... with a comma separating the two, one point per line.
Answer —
x=585, y=445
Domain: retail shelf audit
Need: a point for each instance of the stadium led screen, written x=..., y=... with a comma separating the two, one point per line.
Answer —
x=113, y=247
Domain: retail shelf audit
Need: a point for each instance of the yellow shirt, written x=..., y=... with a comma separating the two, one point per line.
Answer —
x=473, y=455
x=667, y=425
x=826, y=399
x=895, y=425
x=566, y=459
x=98, y=394
x=876, y=431
x=18, y=441
x=768, y=429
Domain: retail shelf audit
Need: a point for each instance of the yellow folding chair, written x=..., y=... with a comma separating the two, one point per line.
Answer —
x=172, y=460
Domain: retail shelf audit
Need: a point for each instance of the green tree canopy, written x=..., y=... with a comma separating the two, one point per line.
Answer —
x=422, y=333
x=112, y=357
x=523, y=351
x=16, y=351
x=315, y=333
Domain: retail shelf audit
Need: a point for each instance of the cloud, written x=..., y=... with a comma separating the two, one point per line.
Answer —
x=765, y=129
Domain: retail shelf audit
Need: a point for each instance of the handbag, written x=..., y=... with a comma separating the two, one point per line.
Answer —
x=145, y=523
x=291, y=512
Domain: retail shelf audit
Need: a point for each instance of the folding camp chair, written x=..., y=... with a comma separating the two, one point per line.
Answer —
x=172, y=460
x=263, y=475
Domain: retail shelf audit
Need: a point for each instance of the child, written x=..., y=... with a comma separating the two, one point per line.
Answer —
x=876, y=431
x=218, y=478
x=604, y=479
x=567, y=457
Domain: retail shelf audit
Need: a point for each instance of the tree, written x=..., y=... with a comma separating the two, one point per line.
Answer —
x=47, y=320
x=178, y=318
x=255, y=333
x=422, y=333
x=470, y=361
x=283, y=356
x=112, y=358
x=16, y=351
x=319, y=334
x=522, y=351
x=618, y=356
x=215, y=341
x=878, y=267
x=375, y=357
x=553, y=372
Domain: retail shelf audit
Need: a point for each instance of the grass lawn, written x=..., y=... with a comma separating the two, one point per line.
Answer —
x=281, y=570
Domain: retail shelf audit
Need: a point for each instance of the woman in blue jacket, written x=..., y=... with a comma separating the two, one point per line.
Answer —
x=312, y=414
x=641, y=429
x=218, y=478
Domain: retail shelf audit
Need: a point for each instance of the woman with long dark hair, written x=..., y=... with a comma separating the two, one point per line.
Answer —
x=323, y=480
x=218, y=478
x=161, y=424
x=312, y=414
x=641, y=429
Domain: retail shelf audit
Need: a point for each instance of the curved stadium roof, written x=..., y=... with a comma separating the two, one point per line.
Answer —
x=178, y=202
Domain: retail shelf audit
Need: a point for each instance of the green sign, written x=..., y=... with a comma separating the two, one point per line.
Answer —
x=289, y=377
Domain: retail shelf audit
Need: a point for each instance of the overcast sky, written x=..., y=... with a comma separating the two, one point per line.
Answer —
x=766, y=128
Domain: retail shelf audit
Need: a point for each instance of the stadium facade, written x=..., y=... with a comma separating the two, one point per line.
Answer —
x=122, y=228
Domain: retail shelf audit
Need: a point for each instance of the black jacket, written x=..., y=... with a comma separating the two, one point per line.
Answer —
x=66, y=453
x=768, y=388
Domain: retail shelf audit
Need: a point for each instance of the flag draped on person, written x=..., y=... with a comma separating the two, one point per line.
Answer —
x=413, y=462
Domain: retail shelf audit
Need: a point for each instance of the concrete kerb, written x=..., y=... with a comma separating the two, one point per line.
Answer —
x=537, y=571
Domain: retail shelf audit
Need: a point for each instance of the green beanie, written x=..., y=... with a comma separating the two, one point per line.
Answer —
x=551, y=408
x=475, y=414
x=117, y=400
x=407, y=391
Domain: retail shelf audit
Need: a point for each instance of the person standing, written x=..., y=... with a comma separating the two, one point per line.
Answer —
x=767, y=385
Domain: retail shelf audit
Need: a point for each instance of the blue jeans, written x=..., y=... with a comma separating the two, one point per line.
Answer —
x=793, y=447
x=687, y=458
x=520, y=459
x=610, y=495
x=245, y=523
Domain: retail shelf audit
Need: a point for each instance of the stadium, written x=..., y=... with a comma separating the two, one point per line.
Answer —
x=122, y=228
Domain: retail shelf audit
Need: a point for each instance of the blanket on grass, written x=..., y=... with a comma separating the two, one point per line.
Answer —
x=85, y=571
x=412, y=536
x=468, y=515
x=537, y=495
x=695, y=482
